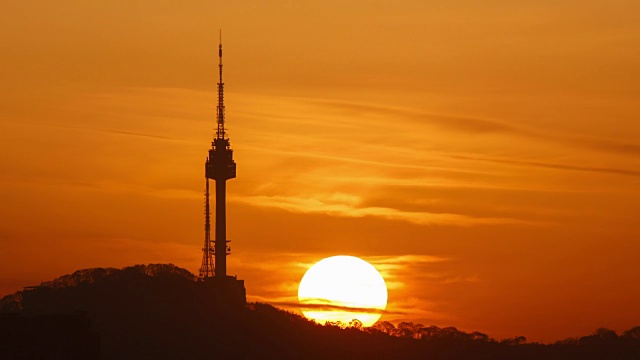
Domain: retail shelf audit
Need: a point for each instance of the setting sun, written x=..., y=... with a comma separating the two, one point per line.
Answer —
x=343, y=288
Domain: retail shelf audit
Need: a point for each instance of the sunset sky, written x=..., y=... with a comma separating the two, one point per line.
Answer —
x=484, y=156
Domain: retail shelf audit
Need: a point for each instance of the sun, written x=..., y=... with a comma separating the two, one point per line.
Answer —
x=343, y=288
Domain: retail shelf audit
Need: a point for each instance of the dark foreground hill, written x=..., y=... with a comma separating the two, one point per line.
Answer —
x=160, y=312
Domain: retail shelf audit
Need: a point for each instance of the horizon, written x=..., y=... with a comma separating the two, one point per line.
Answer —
x=483, y=157
x=87, y=281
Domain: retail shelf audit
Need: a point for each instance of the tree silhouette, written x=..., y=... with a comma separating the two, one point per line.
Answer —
x=162, y=312
x=633, y=333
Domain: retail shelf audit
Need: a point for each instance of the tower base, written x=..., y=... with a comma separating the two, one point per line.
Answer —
x=227, y=291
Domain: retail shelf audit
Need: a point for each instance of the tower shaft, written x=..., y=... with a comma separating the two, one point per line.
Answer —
x=221, y=229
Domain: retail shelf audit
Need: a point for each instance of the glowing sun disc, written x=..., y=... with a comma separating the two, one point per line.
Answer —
x=342, y=288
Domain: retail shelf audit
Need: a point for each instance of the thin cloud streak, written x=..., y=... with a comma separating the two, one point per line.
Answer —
x=410, y=259
x=135, y=134
x=350, y=210
x=479, y=125
x=550, y=165
x=109, y=131
x=610, y=146
x=465, y=124
x=324, y=305
x=359, y=161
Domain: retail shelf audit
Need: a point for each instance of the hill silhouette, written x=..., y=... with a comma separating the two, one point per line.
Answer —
x=161, y=311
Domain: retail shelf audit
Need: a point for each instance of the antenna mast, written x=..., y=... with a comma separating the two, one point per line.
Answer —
x=220, y=133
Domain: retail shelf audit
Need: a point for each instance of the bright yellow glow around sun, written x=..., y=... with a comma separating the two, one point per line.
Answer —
x=343, y=288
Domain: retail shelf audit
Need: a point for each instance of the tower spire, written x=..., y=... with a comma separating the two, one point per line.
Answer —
x=220, y=133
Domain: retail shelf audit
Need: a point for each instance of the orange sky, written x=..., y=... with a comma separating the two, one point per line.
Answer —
x=485, y=156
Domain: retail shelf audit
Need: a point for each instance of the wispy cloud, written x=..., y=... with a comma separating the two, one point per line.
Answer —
x=339, y=207
x=325, y=305
x=479, y=125
x=403, y=260
x=608, y=145
x=460, y=123
x=603, y=170
x=111, y=131
x=128, y=133
x=362, y=161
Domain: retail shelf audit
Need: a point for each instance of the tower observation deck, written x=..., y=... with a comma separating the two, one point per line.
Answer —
x=219, y=167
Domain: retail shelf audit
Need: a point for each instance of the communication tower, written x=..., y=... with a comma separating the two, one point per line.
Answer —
x=219, y=167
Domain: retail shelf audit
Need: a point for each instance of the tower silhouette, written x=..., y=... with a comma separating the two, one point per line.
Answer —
x=219, y=167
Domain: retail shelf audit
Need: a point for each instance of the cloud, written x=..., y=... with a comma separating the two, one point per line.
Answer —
x=135, y=134
x=608, y=145
x=292, y=303
x=351, y=209
x=355, y=160
x=326, y=305
x=412, y=259
x=604, y=170
x=460, y=123
x=479, y=125
x=295, y=305
x=110, y=131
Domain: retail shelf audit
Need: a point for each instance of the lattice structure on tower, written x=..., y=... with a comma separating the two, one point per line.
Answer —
x=207, y=268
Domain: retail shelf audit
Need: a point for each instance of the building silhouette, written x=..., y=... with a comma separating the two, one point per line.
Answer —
x=219, y=167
